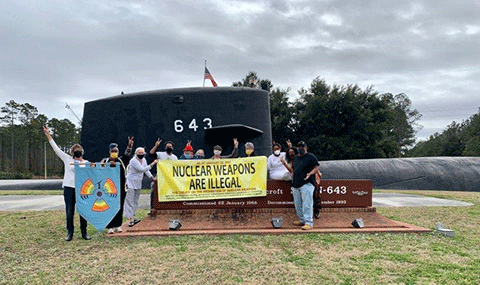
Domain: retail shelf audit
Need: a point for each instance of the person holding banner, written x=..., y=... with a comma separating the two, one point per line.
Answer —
x=249, y=149
x=217, y=151
x=200, y=154
x=115, y=224
x=68, y=184
x=305, y=165
x=167, y=154
x=136, y=169
x=188, y=152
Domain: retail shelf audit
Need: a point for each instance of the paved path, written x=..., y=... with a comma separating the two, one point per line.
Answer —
x=55, y=202
x=26, y=184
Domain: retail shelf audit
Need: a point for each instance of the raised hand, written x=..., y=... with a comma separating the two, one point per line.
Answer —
x=46, y=131
x=189, y=142
x=157, y=143
x=130, y=141
x=235, y=142
x=289, y=143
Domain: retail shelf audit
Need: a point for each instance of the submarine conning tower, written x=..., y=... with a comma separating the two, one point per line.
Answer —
x=207, y=116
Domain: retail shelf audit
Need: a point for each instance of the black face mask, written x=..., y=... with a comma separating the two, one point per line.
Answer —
x=77, y=153
x=301, y=151
x=169, y=150
x=141, y=156
x=200, y=156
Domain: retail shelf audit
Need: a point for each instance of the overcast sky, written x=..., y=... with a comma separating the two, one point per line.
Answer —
x=57, y=52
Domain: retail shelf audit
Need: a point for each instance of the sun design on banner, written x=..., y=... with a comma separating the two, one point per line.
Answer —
x=88, y=188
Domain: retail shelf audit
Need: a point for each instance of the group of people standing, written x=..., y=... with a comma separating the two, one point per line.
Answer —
x=131, y=175
x=295, y=164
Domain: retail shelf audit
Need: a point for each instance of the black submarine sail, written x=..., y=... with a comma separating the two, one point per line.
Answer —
x=207, y=116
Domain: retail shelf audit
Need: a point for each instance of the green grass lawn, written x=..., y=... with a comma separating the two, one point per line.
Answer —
x=32, y=251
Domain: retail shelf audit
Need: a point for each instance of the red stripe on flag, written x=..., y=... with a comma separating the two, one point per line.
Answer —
x=210, y=77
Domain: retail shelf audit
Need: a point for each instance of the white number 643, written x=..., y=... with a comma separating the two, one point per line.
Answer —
x=177, y=125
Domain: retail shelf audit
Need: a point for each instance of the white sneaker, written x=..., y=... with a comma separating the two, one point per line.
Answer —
x=111, y=231
x=118, y=230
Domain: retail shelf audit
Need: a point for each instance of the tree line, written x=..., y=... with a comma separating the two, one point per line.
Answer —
x=458, y=139
x=23, y=146
x=336, y=121
x=341, y=122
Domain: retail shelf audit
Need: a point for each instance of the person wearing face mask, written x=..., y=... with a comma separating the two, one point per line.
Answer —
x=136, y=169
x=68, y=184
x=162, y=155
x=217, y=151
x=275, y=164
x=115, y=224
x=200, y=154
x=304, y=168
x=187, y=152
x=249, y=149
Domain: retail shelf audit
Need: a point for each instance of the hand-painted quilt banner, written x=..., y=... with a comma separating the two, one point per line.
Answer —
x=186, y=180
x=97, y=193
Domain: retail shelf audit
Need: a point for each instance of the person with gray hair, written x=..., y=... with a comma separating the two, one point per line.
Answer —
x=136, y=169
x=249, y=149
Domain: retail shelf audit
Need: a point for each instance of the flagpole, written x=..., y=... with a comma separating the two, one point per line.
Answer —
x=204, y=73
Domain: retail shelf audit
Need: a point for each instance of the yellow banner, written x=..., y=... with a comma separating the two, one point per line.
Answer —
x=183, y=180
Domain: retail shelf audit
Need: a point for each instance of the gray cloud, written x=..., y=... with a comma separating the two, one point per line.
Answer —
x=55, y=52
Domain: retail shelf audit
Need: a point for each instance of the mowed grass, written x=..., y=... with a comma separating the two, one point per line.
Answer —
x=32, y=251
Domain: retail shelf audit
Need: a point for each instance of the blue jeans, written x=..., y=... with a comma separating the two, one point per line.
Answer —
x=303, y=200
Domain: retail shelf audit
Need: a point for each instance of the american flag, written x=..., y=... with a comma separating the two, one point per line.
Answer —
x=209, y=76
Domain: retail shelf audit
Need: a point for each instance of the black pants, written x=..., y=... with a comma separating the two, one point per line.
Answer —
x=70, y=200
x=118, y=219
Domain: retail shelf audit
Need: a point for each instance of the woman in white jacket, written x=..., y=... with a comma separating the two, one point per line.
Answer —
x=68, y=184
x=137, y=167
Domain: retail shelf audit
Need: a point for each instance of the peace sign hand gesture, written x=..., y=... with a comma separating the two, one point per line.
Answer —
x=289, y=143
x=130, y=141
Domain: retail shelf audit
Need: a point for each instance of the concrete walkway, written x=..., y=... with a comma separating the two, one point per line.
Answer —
x=55, y=202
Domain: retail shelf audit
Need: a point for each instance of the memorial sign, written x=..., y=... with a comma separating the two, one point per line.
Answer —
x=334, y=194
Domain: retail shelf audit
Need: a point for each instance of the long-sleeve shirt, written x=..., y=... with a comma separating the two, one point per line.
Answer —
x=136, y=169
x=69, y=172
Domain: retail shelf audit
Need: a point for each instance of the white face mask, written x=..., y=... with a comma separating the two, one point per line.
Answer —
x=277, y=152
x=217, y=152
